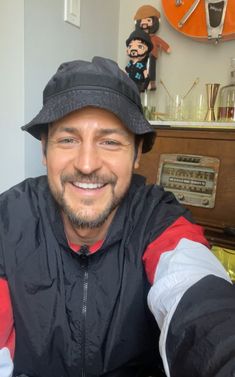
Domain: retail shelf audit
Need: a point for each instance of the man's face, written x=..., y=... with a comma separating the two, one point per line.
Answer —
x=137, y=48
x=90, y=158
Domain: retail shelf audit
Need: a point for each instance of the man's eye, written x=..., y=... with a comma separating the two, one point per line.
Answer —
x=110, y=144
x=140, y=47
x=66, y=140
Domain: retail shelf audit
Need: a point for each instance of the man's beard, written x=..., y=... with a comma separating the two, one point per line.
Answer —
x=80, y=220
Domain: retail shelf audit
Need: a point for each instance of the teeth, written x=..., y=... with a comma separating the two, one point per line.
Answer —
x=90, y=186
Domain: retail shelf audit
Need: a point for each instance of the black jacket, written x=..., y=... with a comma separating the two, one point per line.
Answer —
x=78, y=314
x=86, y=315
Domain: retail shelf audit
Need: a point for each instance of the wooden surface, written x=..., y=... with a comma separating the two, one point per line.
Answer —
x=220, y=220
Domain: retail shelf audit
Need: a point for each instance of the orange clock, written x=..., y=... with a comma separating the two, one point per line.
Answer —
x=203, y=20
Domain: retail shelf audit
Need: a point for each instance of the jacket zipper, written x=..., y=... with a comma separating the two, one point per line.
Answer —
x=83, y=252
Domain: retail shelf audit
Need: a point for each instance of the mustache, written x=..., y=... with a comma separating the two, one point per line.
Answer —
x=88, y=178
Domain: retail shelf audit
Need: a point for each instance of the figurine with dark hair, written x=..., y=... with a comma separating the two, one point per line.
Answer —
x=139, y=46
x=147, y=18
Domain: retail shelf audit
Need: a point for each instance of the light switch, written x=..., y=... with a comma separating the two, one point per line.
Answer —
x=72, y=12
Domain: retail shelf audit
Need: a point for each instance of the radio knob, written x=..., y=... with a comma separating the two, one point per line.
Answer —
x=205, y=202
x=180, y=196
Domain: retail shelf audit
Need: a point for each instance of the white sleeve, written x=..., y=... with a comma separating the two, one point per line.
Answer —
x=176, y=272
x=6, y=364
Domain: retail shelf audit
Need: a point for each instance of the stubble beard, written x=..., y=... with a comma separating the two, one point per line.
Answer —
x=79, y=219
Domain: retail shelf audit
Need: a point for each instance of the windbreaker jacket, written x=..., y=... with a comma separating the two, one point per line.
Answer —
x=85, y=313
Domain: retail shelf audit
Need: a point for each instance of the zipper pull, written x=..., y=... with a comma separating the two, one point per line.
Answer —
x=83, y=251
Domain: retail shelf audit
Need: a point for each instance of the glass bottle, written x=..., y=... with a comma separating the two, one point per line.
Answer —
x=226, y=102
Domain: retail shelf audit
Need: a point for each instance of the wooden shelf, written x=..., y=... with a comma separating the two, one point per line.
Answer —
x=200, y=125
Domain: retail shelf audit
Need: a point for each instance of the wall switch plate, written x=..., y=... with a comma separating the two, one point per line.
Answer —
x=72, y=12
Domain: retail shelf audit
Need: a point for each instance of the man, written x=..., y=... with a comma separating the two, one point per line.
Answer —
x=138, y=46
x=82, y=250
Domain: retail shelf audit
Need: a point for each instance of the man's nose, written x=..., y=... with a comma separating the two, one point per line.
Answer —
x=88, y=158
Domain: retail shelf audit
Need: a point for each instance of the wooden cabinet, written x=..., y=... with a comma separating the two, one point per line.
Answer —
x=186, y=144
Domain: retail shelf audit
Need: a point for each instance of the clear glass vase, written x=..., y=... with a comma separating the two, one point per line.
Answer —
x=226, y=100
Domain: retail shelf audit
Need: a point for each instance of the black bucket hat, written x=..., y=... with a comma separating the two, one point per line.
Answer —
x=100, y=83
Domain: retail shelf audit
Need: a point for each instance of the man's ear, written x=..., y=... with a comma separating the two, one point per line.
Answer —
x=44, y=149
x=138, y=155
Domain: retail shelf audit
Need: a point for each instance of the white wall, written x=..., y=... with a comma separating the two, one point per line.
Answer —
x=188, y=59
x=11, y=92
x=49, y=41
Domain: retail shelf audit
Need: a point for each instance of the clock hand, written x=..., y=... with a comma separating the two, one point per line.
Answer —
x=188, y=13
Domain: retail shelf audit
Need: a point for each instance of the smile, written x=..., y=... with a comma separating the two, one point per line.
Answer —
x=89, y=186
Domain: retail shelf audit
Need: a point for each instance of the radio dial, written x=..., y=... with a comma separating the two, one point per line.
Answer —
x=205, y=202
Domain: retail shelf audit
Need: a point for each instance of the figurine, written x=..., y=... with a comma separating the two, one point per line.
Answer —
x=147, y=18
x=139, y=46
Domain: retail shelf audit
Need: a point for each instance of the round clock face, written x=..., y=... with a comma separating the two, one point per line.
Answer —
x=204, y=20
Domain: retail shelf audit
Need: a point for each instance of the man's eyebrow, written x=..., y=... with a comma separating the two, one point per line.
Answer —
x=108, y=131
x=71, y=130
x=101, y=131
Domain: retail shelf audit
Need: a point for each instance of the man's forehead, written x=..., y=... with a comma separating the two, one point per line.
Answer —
x=97, y=119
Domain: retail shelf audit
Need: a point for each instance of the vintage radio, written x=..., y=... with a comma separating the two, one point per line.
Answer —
x=198, y=166
x=192, y=178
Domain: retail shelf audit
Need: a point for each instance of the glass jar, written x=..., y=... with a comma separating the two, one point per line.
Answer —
x=226, y=101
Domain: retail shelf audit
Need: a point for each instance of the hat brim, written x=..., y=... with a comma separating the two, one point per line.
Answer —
x=60, y=105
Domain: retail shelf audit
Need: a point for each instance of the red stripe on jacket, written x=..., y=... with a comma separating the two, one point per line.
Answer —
x=168, y=240
x=7, y=331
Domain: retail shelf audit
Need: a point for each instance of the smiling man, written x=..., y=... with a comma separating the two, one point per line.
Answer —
x=90, y=157
x=101, y=274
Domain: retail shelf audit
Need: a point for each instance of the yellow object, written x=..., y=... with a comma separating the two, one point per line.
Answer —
x=227, y=258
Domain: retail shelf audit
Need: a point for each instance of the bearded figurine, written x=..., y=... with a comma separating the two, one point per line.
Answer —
x=139, y=46
x=147, y=18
